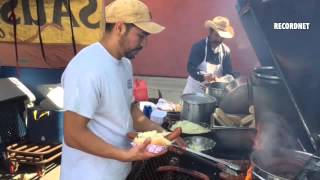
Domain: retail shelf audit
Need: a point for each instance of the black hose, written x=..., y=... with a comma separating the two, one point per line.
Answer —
x=40, y=36
x=14, y=22
x=71, y=27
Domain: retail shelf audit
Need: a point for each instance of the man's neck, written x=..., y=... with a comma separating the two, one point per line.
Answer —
x=214, y=45
x=111, y=46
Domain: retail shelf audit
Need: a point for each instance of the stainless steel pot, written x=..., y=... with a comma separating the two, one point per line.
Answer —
x=198, y=108
x=217, y=90
x=220, y=89
x=237, y=101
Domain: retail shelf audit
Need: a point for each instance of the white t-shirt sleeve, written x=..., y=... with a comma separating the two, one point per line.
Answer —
x=81, y=93
x=129, y=66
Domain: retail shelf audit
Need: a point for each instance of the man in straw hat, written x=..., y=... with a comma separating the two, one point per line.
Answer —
x=210, y=58
x=99, y=110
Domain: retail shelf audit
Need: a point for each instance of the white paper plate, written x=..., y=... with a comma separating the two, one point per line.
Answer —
x=153, y=148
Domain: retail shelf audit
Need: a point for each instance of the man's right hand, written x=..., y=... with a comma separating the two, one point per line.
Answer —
x=140, y=152
x=209, y=78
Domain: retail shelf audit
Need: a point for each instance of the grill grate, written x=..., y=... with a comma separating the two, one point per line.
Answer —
x=178, y=176
x=147, y=170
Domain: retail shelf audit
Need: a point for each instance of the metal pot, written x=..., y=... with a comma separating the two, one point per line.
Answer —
x=220, y=89
x=198, y=108
x=217, y=90
x=237, y=101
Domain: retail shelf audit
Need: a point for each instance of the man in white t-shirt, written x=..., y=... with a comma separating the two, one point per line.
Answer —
x=98, y=101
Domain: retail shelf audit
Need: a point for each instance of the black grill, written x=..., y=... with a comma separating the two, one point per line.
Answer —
x=12, y=126
x=147, y=170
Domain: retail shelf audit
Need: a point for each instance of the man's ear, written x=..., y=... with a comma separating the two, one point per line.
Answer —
x=120, y=28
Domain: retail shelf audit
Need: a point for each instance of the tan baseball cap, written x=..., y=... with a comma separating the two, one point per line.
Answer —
x=221, y=25
x=132, y=11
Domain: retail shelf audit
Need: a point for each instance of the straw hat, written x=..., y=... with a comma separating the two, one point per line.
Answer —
x=132, y=11
x=221, y=25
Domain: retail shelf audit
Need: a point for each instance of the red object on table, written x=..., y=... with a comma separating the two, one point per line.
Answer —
x=140, y=90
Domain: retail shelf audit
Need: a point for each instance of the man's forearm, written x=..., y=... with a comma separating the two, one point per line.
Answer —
x=147, y=125
x=78, y=136
x=141, y=122
x=88, y=142
x=195, y=73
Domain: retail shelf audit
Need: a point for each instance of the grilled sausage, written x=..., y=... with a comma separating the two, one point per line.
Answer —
x=175, y=134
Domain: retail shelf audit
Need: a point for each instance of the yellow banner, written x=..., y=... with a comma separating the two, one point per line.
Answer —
x=54, y=21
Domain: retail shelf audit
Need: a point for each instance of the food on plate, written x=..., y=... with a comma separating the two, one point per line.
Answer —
x=225, y=120
x=225, y=79
x=199, y=143
x=247, y=120
x=174, y=134
x=168, y=106
x=251, y=109
x=177, y=108
x=221, y=80
x=196, y=147
x=189, y=127
x=156, y=138
x=253, y=124
x=234, y=120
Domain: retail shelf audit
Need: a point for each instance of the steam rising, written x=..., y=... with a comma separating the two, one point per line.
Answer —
x=273, y=133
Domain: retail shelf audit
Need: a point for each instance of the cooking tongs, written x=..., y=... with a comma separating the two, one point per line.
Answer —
x=225, y=166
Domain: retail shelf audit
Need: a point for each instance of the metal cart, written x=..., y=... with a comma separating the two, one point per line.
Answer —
x=32, y=154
